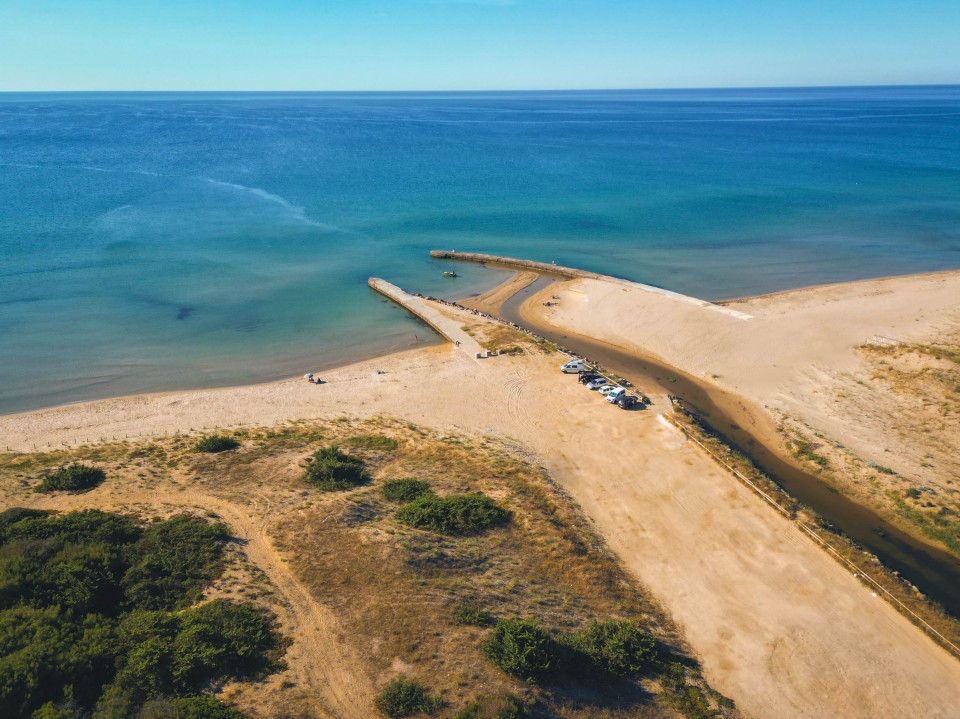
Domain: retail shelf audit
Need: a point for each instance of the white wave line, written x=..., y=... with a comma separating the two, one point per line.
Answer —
x=294, y=210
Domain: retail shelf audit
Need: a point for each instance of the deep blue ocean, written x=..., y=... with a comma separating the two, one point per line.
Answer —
x=162, y=241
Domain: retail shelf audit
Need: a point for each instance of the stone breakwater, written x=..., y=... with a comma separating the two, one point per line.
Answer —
x=574, y=273
x=412, y=302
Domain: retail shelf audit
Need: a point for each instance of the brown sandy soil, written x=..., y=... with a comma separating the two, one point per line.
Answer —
x=807, y=366
x=780, y=627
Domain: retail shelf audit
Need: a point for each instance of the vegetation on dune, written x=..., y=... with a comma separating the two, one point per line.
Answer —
x=471, y=613
x=521, y=648
x=331, y=470
x=72, y=478
x=373, y=441
x=89, y=618
x=459, y=514
x=214, y=443
x=621, y=648
x=404, y=697
x=147, y=651
x=404, y=490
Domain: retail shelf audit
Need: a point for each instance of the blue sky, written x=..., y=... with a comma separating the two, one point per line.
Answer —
x=473, y=44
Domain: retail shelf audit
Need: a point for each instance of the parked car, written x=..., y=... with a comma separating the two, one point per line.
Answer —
x=608, y=388
x=615, y=394
x=587, y=377
x=597, y=383
x=573, y=366
x=628, y=401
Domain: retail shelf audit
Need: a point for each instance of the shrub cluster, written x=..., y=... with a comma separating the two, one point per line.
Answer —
x=214, y=443
x=95, y=616
x=616, y=647
x=72, y=478
x=521, y=648
x=459, y=514
x=330, y=470
x=404, y=490
x=404, y=697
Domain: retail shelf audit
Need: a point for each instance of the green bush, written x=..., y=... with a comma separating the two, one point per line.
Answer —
x=404, y=697
x=617, y=647
x=72, y=478
x=175, y=559
x=458, y=514
x=404, y=490
x=222, y=638
x=471, y=613
x=330, y=470
x=214, y=443
x=373, y=441
x=521, y=648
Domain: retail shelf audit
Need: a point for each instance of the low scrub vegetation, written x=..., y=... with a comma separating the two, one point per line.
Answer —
x=471, y=613
x=459, y=514
x=404, y=697
x=97, y=615
x=374, y=442
x=504, y=706
x=214, y=443
x=621, y=648
x=404, y=490
x=331, y=470
x=74, y=477
x=521, y=648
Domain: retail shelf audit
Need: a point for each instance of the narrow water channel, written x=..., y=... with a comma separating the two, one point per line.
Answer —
x=935, y=572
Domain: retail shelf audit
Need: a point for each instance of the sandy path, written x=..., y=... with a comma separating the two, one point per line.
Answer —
x=780, y=627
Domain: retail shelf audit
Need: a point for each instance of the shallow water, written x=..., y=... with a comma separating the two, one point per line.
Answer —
x=160, y=241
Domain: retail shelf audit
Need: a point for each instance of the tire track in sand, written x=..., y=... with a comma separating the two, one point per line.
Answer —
x=318, y=655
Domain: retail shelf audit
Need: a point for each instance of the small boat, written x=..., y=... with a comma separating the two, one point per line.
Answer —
x=449, y=274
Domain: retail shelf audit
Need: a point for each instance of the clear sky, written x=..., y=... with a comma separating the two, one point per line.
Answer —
x=473, y=44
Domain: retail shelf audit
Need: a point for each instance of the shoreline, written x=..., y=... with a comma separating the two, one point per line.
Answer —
x=468, y=301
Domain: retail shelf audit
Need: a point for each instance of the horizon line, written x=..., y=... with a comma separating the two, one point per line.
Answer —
x=499, y=90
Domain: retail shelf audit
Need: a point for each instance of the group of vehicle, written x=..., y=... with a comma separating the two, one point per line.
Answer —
x=593, y=380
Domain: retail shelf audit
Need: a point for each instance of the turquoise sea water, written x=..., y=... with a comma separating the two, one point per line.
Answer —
x=161, y=241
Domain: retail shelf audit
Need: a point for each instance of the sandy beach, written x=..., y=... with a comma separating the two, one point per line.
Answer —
x=779, y=625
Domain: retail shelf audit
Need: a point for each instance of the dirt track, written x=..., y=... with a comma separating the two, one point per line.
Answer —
x=318, y=657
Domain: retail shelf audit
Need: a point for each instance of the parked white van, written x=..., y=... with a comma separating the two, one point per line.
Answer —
x=574, y=366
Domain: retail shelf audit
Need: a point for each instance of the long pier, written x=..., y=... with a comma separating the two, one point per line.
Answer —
x=423, y=309
x=574, y=273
